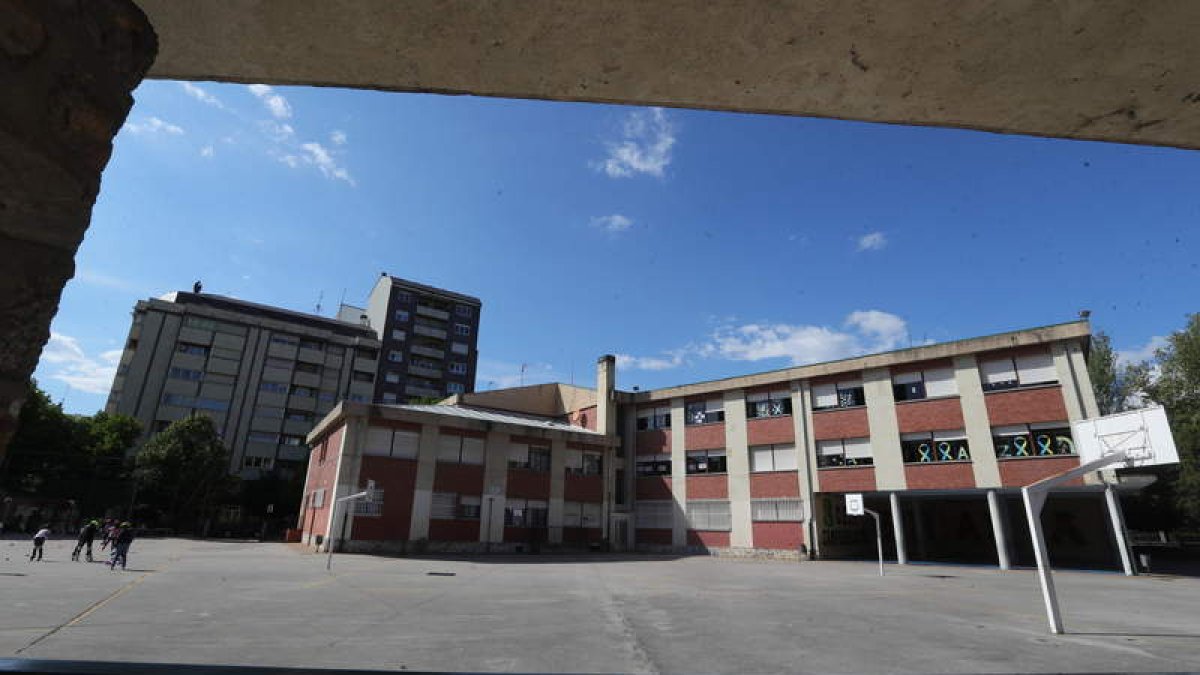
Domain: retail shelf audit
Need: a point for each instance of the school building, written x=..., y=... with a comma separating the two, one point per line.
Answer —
x=938, y=438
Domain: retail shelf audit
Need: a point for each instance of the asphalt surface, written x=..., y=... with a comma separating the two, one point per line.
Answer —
x=184, y=601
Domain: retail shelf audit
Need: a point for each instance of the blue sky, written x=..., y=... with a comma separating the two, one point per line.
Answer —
x=692, y=244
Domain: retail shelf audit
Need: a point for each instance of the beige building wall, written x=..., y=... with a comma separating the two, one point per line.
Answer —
x=495, y=483
x=679, y=472
x=885, y=433
x=806, y=448
x=422, y=505
x=737, y=467
x=558, y=483
x=975, y=419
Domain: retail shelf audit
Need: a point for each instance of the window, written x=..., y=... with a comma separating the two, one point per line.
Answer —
x=780, y=457
x=311, y=368
x=1022, y=371
x=908, y=386
x=654, y=465
x=189, y=348
x=455, y=388
x=366, y=353
x=178, y=399
x=292, y=441
x=359, y=376
x=262, y=437
x=401, y=315
x=593, y=463
x=357, y=398
x=706, y=461
x=468, y=507
x=299, y=416
x=269, y=412
x=197, y=322
x=218, y=378
x=463, y=310
x=276, y=362
x=458, y=368
x=658, y=515
x=396, y=356
x=423, y=363
x=531, y=457
x=327, y=396
x=445, y=506
x=772, y=404
x=938, y=446
x=705, y=412
x=403, y=297
x=525, y=512
x=844, y=452
x=654, y=418
x=460, y=348
x=211, y=404
x=391, y=377
x=258, y=462
x=462, y=329
x=1049, y=439
x=389, y=442
x=312, y=344
x=318, y=499
x=776, y=510
x=398, y=334
x=583, y=463
x=371, y=505
x=286, y=340
x=709, y=515
x=303, y=392
x=389, y=397
x=335, y=350
x=226, y=353
x=273, y=387
x=460, y=449
x=844, y=394
x=186, y=374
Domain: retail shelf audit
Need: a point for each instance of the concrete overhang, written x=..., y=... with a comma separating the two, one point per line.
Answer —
x=1116, y=70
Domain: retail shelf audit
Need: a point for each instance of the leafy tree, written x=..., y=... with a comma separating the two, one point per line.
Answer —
x=1118, y=386
x=111, y=436
x=1177, y=388
x=183, y=471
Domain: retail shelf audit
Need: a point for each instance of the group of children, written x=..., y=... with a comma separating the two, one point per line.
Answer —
x=119, y=536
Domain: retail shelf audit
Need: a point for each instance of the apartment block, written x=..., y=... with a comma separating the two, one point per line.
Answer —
x=264, y=375
x=939, y=439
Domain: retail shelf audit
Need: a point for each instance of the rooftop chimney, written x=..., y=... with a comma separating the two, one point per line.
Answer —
x=606, y=384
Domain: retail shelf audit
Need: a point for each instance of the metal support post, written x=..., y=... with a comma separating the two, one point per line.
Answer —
x=898, y=529
x=878, y=538
x=1118, y=526
x=329, y=541
x=999, y=529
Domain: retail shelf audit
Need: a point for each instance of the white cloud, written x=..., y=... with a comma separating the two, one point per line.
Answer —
x=873, y=241
x=316, y=155
x=276, y=103
x=338, y=137
x=644, y=148
x=673, y=360
x=495, y=374
x=278, y=131
x=886, y=331
x=69, y=363
x=201, y=95
x=154, y=125
x=614, y=223
x=207, y=151
x=1143, y=353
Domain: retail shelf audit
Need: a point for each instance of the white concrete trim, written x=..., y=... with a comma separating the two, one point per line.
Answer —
x=679, y=472
x=884, y=429
x=737, y=470
x=558, y=483
x=422, y=505
x=976, y=422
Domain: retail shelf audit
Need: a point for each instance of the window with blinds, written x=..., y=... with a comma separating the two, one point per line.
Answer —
x=709, y=515
x=654, y=465
x=1046, y=439
x=456, y=449
x=776, y=510
x=445, y=506
x=932, y=447
x=844, y=452
x=653, y=418
x=770, y=404
x=531, y=457
x=468, y=507
x=706, y=461
x=778, y=457
x=1021, y=371
x=655, y=514
x=525, y=512
x=844, y=394
x=705, y=412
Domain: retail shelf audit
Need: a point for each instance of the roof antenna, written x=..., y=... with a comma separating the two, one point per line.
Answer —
x=320, y=297
x=342, y=300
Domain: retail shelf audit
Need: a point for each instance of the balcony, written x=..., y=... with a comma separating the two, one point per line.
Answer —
x=414, y=390
x=429, y=332
x=428, y=351
x=420, y=371
x=432, y=313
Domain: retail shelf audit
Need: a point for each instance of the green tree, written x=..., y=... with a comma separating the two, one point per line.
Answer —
x=183, y=472
x=1117, y=385
x=111, y=436
x=47, y=450
x=1177, y=388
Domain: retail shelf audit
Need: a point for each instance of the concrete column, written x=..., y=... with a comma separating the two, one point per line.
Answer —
x=975, y=418
x=629, y=449
x=678, y=473
x=1117, y=518
x=737, y=467
x=495, y=482
x=345, y=480
x=606, y=406
x=1000, y=530
x=898, y=529
x=1066, y=377
x=558, y=484
x=1087, y=395
x=422, y=506
x=885, y=433
x=806, y=446
x=70, y=70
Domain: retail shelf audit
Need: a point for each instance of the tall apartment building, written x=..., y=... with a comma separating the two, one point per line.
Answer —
x=263, y=374
x=429, y=337
x=938, y=438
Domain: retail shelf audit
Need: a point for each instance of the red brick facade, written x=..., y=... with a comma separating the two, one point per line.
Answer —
x=704, y=436
x=652, y=487
x=707, y=487
x=397, y=478
x=941, y=414
x=582, y=535
x=774, y=484
x=583, y=488
x=1020, y=406
x=770, y=430
x=708, y=539
x=830, y=424
x=1022, y=472
x=778, y=536
x=464, y=479
x=528, y=484
x=453, y=530
x=654, y=442
x=939, y=476
x=847, y=479
x=656, y=536
x=322, y=470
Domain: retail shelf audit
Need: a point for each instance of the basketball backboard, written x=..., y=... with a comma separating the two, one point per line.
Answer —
x=854, y=504
x=1143, y=435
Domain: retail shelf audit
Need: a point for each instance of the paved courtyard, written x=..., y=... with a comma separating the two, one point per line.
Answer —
x=271, y=604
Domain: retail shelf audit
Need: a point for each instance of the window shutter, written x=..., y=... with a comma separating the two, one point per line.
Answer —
x=754, y=398
x=940, y=382
x=1036, y=368
x=829, y=447
x=406, y=444
x=955, y=435
x=445, y=506
x=789, y=509
x=786, y=458
x=379, y=441
x=825, y=396
x=448, y=448
x=858, y=448
x=850, y=384
x=572, y=513
x=762, y=510
x=761, y=458
x=573, y=459
x=997, y=371
x=590, y=516
x=714, y=405
x=472, y=450
x=1010, y=430
x=1039, y=426
x=519, y=453
x=906, y=378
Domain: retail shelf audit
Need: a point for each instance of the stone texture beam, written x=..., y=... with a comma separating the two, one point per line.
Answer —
x=1112, y=70
x=67, y=70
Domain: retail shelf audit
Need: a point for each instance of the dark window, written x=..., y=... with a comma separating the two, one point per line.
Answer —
x=619, y=490
x=932, y=449
x=1015, y=441
x=655, y=466
x=285, y=340
x=706, y=461
x=308, y=368
x=312, y=344
x=189, y=348
x=305, y=392
x=775, y=404
x=593, y=464
x=909, y=391
x=292, y=440
x=705, y=412
x=186, y=374
x=299, y=416
x=363, y=377
x=273, y=387
x=401, y=315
